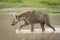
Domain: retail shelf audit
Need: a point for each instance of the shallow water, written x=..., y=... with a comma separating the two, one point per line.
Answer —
x=7, y=32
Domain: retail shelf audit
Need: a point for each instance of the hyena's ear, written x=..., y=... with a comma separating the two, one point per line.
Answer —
x=13, y=13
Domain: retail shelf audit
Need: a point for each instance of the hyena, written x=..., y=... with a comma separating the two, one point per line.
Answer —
x=33, y=17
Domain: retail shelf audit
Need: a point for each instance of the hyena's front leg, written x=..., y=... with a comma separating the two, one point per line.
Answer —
x=25, y=24
x=32, y=27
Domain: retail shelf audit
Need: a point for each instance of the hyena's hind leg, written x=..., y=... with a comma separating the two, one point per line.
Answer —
x=49, y=25
x=42, y=26
x=47, y=22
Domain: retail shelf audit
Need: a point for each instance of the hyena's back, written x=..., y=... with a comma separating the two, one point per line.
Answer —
x=38, y=17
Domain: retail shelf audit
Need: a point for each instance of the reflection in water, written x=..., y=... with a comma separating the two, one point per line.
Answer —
x=33, y=36
x=47, y=36
x=50, y=37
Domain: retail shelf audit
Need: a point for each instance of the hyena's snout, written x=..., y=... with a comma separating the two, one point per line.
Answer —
x=14, y=22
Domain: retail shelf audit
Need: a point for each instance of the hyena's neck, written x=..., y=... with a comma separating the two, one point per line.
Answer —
x=25, y=15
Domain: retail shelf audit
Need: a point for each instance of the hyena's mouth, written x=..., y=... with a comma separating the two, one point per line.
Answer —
x=14, y=23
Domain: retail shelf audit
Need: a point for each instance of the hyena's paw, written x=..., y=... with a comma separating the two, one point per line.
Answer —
x=43, y=30
x=54, y=30
x=32, y=30
x=17, y=30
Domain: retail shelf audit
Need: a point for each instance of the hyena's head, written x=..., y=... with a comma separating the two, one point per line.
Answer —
x=19, y=17
x=15, y=20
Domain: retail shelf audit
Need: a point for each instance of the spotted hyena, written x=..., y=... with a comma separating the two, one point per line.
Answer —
x=33, y=17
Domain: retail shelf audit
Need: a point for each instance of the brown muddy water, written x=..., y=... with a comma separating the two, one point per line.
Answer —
x=7, y=32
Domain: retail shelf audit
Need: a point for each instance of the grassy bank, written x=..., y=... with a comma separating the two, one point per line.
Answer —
x=34, y=3
x=51, y=5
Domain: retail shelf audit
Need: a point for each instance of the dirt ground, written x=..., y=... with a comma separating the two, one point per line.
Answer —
x=7, y=32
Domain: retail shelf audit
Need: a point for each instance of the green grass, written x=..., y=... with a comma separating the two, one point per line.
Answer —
x=32, y=3
x=51, y=4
